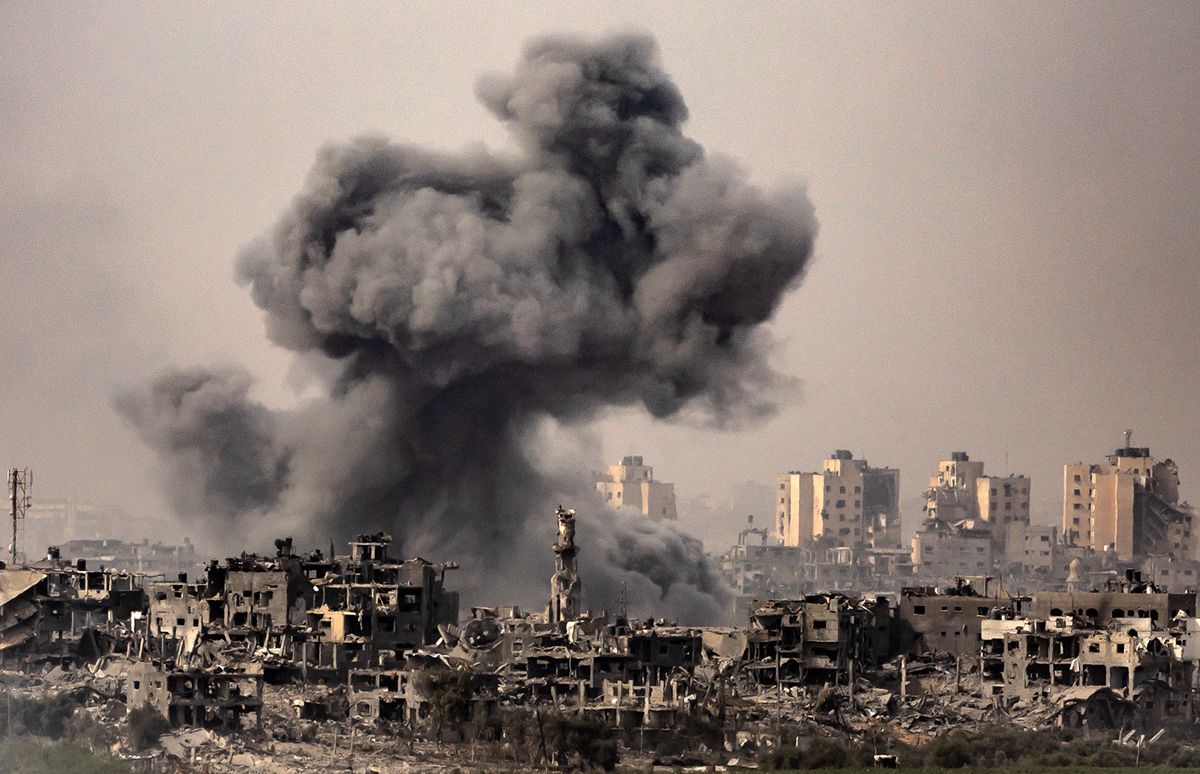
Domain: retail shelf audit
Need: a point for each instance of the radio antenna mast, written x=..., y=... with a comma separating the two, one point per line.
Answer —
x=20, y=484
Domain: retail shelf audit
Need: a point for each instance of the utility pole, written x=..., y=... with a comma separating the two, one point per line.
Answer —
x=20, y=483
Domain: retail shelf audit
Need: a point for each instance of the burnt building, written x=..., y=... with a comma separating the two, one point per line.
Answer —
x=1131, y=598
x=929, y=620
x=196, y=697
x=818, y=639
x=390, y=603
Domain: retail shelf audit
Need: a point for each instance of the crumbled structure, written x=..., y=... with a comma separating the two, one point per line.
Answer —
x=1112, y=659
x=196, y=697
x=365, y=641
x=286, y=618
x=1129, y=507
x=178, y=609
x=83, y=612
x=771, y=570
x=18, y=610
x=1172, y=573
x=1132, y=598
x=369, y=604
x=817, y=640
x=944, y=549
x=63, y=611
x=961, y=495
x=136, y=557
x=565, y=585
x=760, y=570
x=1017, y=654
x=379, y=694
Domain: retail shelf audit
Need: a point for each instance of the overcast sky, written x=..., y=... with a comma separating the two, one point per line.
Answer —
x=1007, y=193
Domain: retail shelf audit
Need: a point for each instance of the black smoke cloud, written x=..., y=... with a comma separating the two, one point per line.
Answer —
x=466, y=298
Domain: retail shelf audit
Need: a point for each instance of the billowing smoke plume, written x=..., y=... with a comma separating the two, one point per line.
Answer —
x=466, y=298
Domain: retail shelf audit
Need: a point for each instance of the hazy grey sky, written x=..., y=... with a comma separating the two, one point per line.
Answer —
x=1008, y=198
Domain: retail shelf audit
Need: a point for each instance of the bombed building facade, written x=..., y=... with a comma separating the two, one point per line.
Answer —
x=371, y=641
x=1129, y=507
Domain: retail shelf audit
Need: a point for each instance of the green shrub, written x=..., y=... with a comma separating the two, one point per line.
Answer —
x=25, y=756
x=591, y=741
x=449, y=693
x=47, y=717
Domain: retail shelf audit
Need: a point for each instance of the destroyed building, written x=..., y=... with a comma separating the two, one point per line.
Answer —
x=1172, y=573
x=367, y=639
x=178, y=609
x=196, y=697
x=18, y=609
x=1130, y=598
x=959, y=494
x=77, y=611
x=1143, y=679
x=929, y=620
x=135, y=557
x=390, y=603
x=819, y=639
x=942, y=549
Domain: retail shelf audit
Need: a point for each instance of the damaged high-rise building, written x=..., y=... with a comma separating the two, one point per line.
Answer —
x=975, y=522
x=847, y=503
x=1128, y=507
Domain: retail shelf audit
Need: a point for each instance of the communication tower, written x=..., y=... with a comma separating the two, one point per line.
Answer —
x=20, y=484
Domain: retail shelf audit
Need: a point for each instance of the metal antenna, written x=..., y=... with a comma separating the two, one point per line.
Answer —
x=20, y=484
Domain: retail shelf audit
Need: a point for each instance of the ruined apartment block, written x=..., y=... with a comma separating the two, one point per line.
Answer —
x=196, y=697
x=961, y=495
x=1128, y=507
x=364, y=638
x=817, y=640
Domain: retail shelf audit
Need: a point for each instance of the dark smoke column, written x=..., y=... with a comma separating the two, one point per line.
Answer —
x=457, y=300
x=565, y=585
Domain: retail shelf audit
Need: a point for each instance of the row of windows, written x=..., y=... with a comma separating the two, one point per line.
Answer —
x=920, y=610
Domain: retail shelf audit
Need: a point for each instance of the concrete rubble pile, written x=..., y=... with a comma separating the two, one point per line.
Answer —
x=294, y=662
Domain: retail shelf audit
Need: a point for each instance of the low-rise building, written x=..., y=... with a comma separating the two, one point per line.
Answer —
x=943, y=550
x=196, y=697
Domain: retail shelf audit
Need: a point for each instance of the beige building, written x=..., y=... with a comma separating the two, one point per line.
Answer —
x=960, y=491
x=1032, y=548
x=943, y=550
x=848, y=502
x=631, y=483
x=1129, y=507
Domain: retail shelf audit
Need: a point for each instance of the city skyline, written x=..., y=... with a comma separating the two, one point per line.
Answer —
x=1004, y=265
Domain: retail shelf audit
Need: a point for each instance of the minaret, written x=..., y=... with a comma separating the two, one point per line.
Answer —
x=564, y=584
